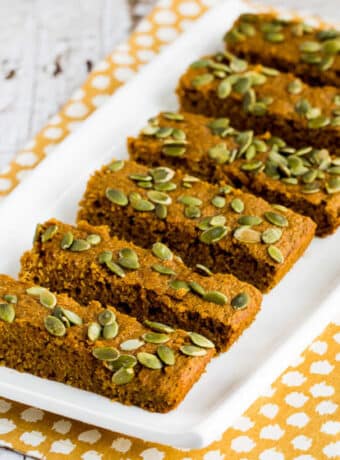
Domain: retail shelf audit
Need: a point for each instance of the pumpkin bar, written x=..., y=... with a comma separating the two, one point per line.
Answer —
x=263, y=99
x=223, y=229
x=288, y=45
x=306, y=180
x=98, y=349
x=86, y=263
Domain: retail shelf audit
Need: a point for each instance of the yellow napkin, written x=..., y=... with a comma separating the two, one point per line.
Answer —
x=298, y=418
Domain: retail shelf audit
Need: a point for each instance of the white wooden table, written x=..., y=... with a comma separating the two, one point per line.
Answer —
x=47, y=47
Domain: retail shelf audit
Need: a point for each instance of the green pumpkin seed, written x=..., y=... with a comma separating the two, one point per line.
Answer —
x=179, y=135
x=310, y=47
x=276, y=219
x=7, y=312
x=164, y=132
x=271, y=235
x=131, y=344
x=189, y=200
x=49, y=233
x=54, y=326
x=116, y=196
x=237, y=205
x=140, y=177
x=106, y=317
x=159, y=327
x=148, y=360
x=93, y=239
x=196, y=288
x=36, y=291
x=331, y=46
x=217, y=220
x=47, y=299
x=173, y=151
x=11, y=298
x=110, y=331
x=240, y=301
x=310, y=176
x=275, y=254
x=310, y=188
x=165, y=187
x=128, y=259
x=173, y=116
x=162, y=174
x=247, y=235
x=124, y=360
x=238, y=65
x=192, y=212
x=142, y=205
x=67, y=240
x=214, y=234
x=161, y=211
x=295, y=87
x=204, y=270
x=220, y=153
x=248, y=101
x=72, y=317
x=250, y=220
x=200, y=340
x=224, y=89
x=218, y=201
x=159, y=197
x=105, y=353
x=333, y=185
x=163, y=270
x=192, y=350
x=179, y=285
x=123, y=376
x=149, y=130
x=242, y=85
x=274, y=37
x=115, y=268
x=116, y=165
x=80, y=246
x=201, y=80
x=155, y=337
x=254, y=165
x=94, y=331
x=215, y=297
x=161, y=251
x=105, y=256
x=318, y=122
x=166, y=355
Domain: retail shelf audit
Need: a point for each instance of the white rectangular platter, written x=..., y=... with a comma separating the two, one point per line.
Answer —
x=292, y=314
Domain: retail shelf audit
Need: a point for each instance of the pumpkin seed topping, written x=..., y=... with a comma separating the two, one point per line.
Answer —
x=161, y=251
x=179, y=285
x=295, y=87
x=123, y=376
x=166, y=355
x=204, y=270
x=201, y=80
x=245, y=234
x=142, y=205
x=218, y=201
x=162, y=174
x=131, y=344
x=192, y=212
x=271, y=235
x=173, y=116
x=193, y=350
x=72, y=317
x=189, y=200
x=275, y=253
x=116, y=196
x=149, y=360
x=276, y=219
x=217, y=220
x=105, y=353
x=240, y=301
x=173, y=151
x=159, y=197
x=237, y=205
x=163, y=270
x=93, y=239
x=67, y=240
x=155, y=337
x=215, y=297
x=115, y=268
x=200, y=340
x=250, y=220
x=93, y=331
x=55, y=326
x=7, y=312
x=159, y=327
x=106, y=317
x=110, y=331
x=105, y=256
x=214, y=234
x=11, y=298
x=161, y=211
x=196, y=288
x=47, y=299
x=124, y=360
x=80, y=245
x=116, y=165
x=49, y=233
x=128, y=259
x=333, y=185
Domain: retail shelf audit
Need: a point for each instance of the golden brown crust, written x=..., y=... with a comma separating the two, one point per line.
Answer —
x=143, y=293
x=250, y=38
x=27, y=347
x=275, y=110
x=249, y=262
x=265, y=181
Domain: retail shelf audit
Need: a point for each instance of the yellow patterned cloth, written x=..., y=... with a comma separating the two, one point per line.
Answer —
x=297, y=418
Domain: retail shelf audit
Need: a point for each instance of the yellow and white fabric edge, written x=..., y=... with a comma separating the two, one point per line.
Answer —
x=297, y=418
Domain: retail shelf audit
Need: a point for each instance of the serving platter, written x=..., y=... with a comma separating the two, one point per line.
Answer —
x=292, y=314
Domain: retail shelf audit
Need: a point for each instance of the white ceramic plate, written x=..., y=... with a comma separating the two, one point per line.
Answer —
x=293, y=313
